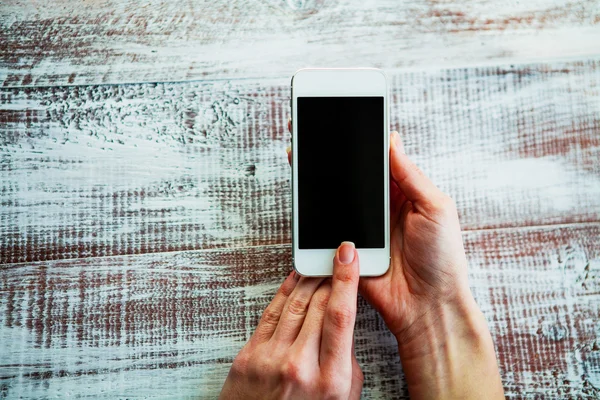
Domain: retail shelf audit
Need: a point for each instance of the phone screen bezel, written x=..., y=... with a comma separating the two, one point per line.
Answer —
x=363, y=82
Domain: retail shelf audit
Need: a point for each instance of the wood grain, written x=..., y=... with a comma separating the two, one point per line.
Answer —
x=58, y=42
x=168, y=325
x=129, y=169
x=145, y=226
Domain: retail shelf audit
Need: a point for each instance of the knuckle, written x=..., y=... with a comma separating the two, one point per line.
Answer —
x=259, y=366
x=322, y=300
x=270, y=316
x=346, y=275
x=333, y=388
x=297, y=306
x=449, y=203
x=293, y=371
x=415, y=168
x=240, y=363
x=358, y=375
x=341, y=316
x=286, y=289
x=444, y=205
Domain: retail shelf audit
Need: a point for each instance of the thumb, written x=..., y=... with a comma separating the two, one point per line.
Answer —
x=417, y=187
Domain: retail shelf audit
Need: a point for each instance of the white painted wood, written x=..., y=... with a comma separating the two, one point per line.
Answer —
x=168, y=325
x=93, y=176
x=106, y=170
x=57, y=42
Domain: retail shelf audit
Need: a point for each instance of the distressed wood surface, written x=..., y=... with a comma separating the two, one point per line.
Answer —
x=145, y=225
x=50, y=42
x=168, y=325
x=107, y=170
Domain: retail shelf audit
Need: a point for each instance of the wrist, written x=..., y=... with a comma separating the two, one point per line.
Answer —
x=440, y=323
x=449, y=349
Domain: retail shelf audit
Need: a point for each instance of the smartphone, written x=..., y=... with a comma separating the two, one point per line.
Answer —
x=340, y=168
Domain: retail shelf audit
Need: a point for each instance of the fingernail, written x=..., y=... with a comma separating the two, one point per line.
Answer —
x=346, y=253
x=288, y=149
x=398, y=142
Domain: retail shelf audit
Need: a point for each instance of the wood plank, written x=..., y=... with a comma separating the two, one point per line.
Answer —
x=168, y=325
x=107, y=170
x=57, y=42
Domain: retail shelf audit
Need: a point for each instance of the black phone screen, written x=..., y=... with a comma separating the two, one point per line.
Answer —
x=340, y=171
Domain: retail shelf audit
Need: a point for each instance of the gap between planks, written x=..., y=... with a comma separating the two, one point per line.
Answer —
x=276, y=80
x=285, y=245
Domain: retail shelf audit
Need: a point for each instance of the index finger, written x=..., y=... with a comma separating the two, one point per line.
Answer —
x=338, y=327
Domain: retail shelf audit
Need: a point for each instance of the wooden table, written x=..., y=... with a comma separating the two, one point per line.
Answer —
x=145, y=199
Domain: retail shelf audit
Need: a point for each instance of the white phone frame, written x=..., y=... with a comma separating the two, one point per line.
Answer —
x=339, y=82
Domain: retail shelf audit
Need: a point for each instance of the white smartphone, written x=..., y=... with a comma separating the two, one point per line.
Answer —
x=340, y=168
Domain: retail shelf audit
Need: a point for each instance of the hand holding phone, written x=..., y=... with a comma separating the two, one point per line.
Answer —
x=443, y=340
x=425, y=299
x=303, y=345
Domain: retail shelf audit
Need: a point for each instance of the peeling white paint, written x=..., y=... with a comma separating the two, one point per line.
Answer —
x=174, y=309
x=125, y=41
x=158, y=168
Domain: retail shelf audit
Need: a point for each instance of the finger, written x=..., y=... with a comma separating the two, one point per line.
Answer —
x=290, y=125
x=295, y=309
x=270, y=317
x=410, y=179
x=310, y=334
x=398, y=143
x=357, y=379
x=396, y=195
x=338, y=327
